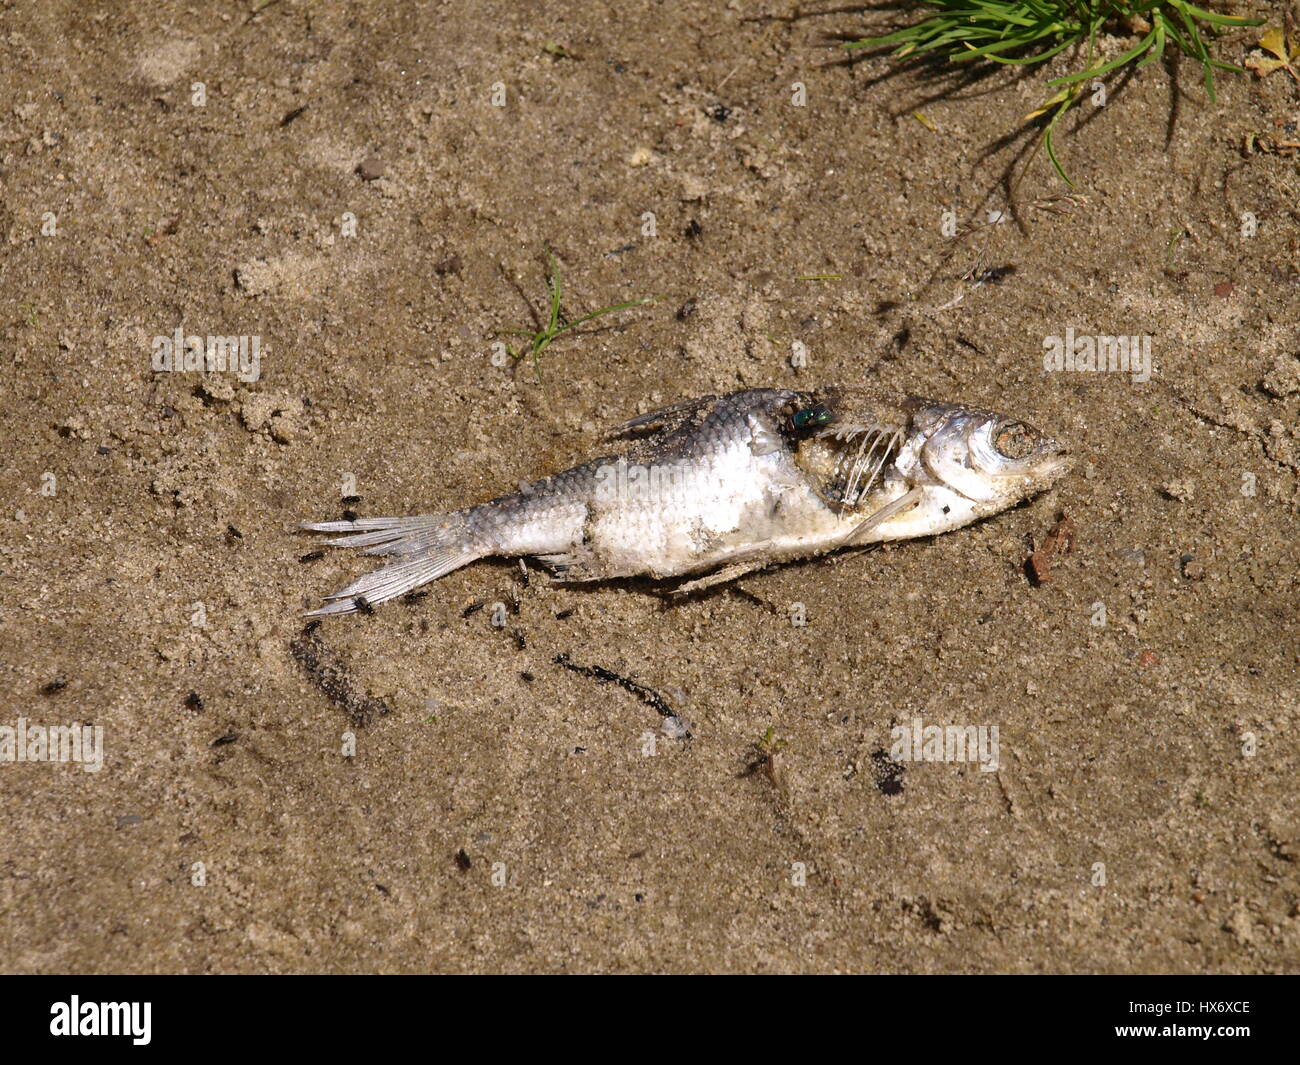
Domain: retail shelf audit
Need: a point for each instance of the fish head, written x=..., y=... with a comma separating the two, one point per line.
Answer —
x=961, y=463
x=971, y=463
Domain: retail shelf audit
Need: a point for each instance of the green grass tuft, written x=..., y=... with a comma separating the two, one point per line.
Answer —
x=1024, y=32
x=556, y=323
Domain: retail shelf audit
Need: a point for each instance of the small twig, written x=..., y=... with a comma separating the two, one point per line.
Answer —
x=647, y=695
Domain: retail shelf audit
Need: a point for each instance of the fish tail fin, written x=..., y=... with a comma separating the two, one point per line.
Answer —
x=428, y=546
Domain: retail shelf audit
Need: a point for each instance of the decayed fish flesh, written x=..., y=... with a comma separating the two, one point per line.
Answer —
x=714, y=487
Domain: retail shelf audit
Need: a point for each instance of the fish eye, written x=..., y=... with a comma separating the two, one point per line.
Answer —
x=1014, y=440
x=811, y=417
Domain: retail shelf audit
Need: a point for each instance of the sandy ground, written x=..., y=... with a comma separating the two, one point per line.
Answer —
x=502, y=813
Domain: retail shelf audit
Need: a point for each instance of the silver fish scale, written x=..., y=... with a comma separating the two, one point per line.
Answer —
x=541, y=517
x=677, y=501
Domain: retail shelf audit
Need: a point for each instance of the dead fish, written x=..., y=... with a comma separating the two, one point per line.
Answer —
x=716, y=487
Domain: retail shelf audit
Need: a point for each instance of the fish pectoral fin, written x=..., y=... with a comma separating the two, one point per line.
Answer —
x=890, y=510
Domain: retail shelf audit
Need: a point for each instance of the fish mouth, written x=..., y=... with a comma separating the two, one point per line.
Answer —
x=1055, y=467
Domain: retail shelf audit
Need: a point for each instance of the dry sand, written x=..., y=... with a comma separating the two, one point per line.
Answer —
x=227, y=832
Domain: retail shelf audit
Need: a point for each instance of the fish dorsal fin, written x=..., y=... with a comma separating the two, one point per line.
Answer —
x=663, y=421
x=774, y=404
